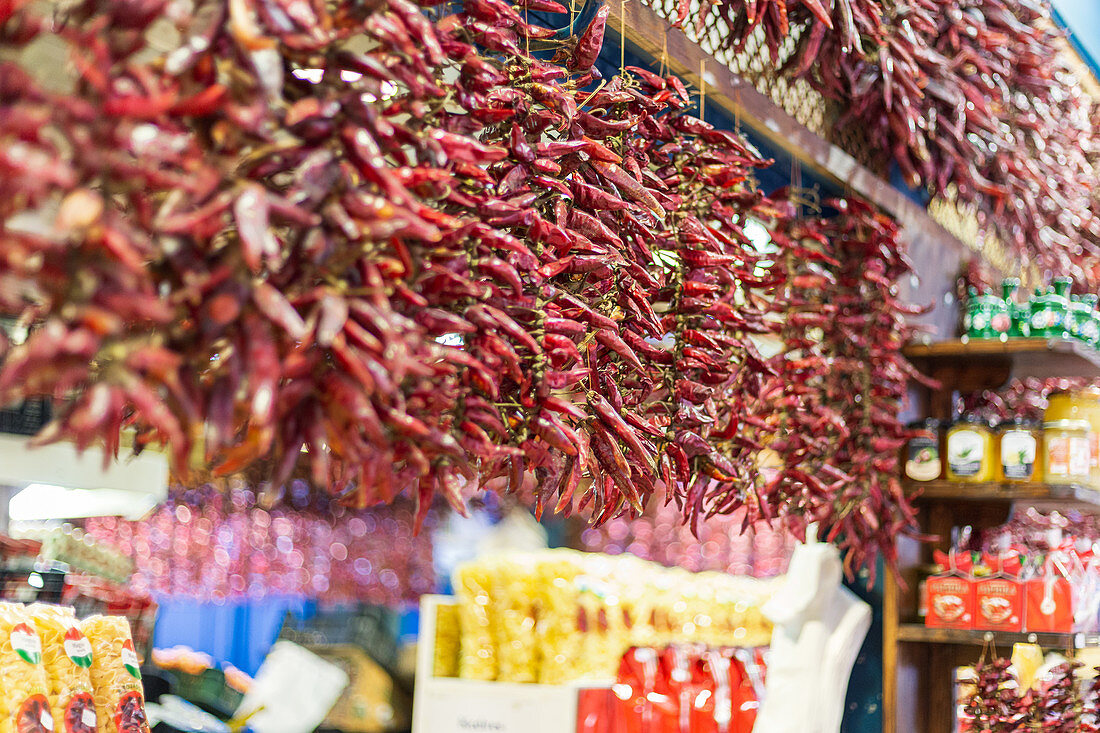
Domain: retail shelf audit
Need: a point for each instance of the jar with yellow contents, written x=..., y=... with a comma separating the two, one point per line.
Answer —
x=971, y=451
x=1066, y=451
x=1019, y=447
x=1081, y=404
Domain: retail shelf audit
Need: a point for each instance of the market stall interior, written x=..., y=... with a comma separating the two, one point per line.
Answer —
x=601, y=366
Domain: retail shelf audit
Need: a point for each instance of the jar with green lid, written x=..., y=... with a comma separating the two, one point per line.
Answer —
x=922, y=452
x=1019, y=315
x=970, y=448
x=1080, y=320
x=1019, y=446
x=1066, y=451
x=1090, y=328
x=1062, y=287
x=986, y=316
x=1048, y=314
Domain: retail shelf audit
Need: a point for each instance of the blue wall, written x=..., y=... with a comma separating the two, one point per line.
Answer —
x=237, y=632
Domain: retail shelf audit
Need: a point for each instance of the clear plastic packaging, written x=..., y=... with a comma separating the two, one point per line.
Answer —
x=24, y=705
x=67, y=657
x=116, y=676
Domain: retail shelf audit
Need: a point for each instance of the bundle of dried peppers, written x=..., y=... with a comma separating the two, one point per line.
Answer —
x=972, y=99
x=392, y=249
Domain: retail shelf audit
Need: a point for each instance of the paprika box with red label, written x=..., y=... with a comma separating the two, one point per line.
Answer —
x=1049, y=605
x=998, y=604
x=950, y=602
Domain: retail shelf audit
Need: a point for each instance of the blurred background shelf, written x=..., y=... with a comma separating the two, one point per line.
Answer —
x=995, y=491
x=1003, y=360
x=919, y=633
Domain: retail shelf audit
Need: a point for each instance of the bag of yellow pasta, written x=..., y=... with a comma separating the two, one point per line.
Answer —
x=67, y=657
x=116, y=678
x=24, y=707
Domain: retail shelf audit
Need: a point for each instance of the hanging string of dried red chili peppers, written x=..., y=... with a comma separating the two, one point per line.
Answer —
x=969, y=97
x=395, y=253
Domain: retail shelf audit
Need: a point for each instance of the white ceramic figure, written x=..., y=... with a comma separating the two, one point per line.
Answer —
x=819, y=628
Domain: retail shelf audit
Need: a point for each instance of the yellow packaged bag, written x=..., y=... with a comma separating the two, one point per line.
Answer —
x=116, y=678
x=477, y=657
x=515, y=614
x=67, y=657
x=24, y=706
x=447, y=635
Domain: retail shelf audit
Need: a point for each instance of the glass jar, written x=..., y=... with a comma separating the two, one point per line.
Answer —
x=1048, y=314
x=1020, y=448
x=970, y=451
x=1066, y=451
x=1019, y=316
x=1081, y=404
x=986, y=316
x=922, y=452
x=1079, y=316
x=1090, y=329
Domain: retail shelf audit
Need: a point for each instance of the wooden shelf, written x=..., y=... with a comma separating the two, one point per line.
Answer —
x=1021, y=358
x=920, y=634
x=993, y=491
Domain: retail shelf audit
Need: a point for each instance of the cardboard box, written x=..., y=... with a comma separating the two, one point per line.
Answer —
x=998, y=604
x=1049, y=605
x=950, y=602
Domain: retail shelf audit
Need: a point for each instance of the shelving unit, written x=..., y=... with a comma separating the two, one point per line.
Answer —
x=919, y=633
x=918, y=692
x=992, y=491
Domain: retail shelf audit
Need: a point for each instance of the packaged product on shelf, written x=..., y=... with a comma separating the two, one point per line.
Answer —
x=67, y=657
x=116, y=676
x=24, y=688
x=1080, y=404
x=584, y=610
x=999, y=600
x=970, y=451
x=685, y=687
x=1066, y=451
x=922, y=453
x=1020, y=442
x=446, y=650
x=477, y=650
x=951, y=594
x=555, y=578
x=515, y=613
x=1050, y=598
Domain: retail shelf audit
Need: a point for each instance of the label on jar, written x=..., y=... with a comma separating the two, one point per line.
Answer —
x=1067, y=455
x=1018, y=454
x=965, y=449
x=1089, y=330
x=923, y=460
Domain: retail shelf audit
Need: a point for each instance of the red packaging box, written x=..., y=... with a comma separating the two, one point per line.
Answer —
x=1049, y=605
x=950, y=602
x=998, y=604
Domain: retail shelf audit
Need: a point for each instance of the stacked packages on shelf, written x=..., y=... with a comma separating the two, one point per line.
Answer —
x=559, y=616
x=76, y=549
x=1030, y=579
x=680, y=688
x=60, y=674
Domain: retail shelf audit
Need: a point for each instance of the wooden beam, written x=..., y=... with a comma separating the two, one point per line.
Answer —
x=936, y=252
